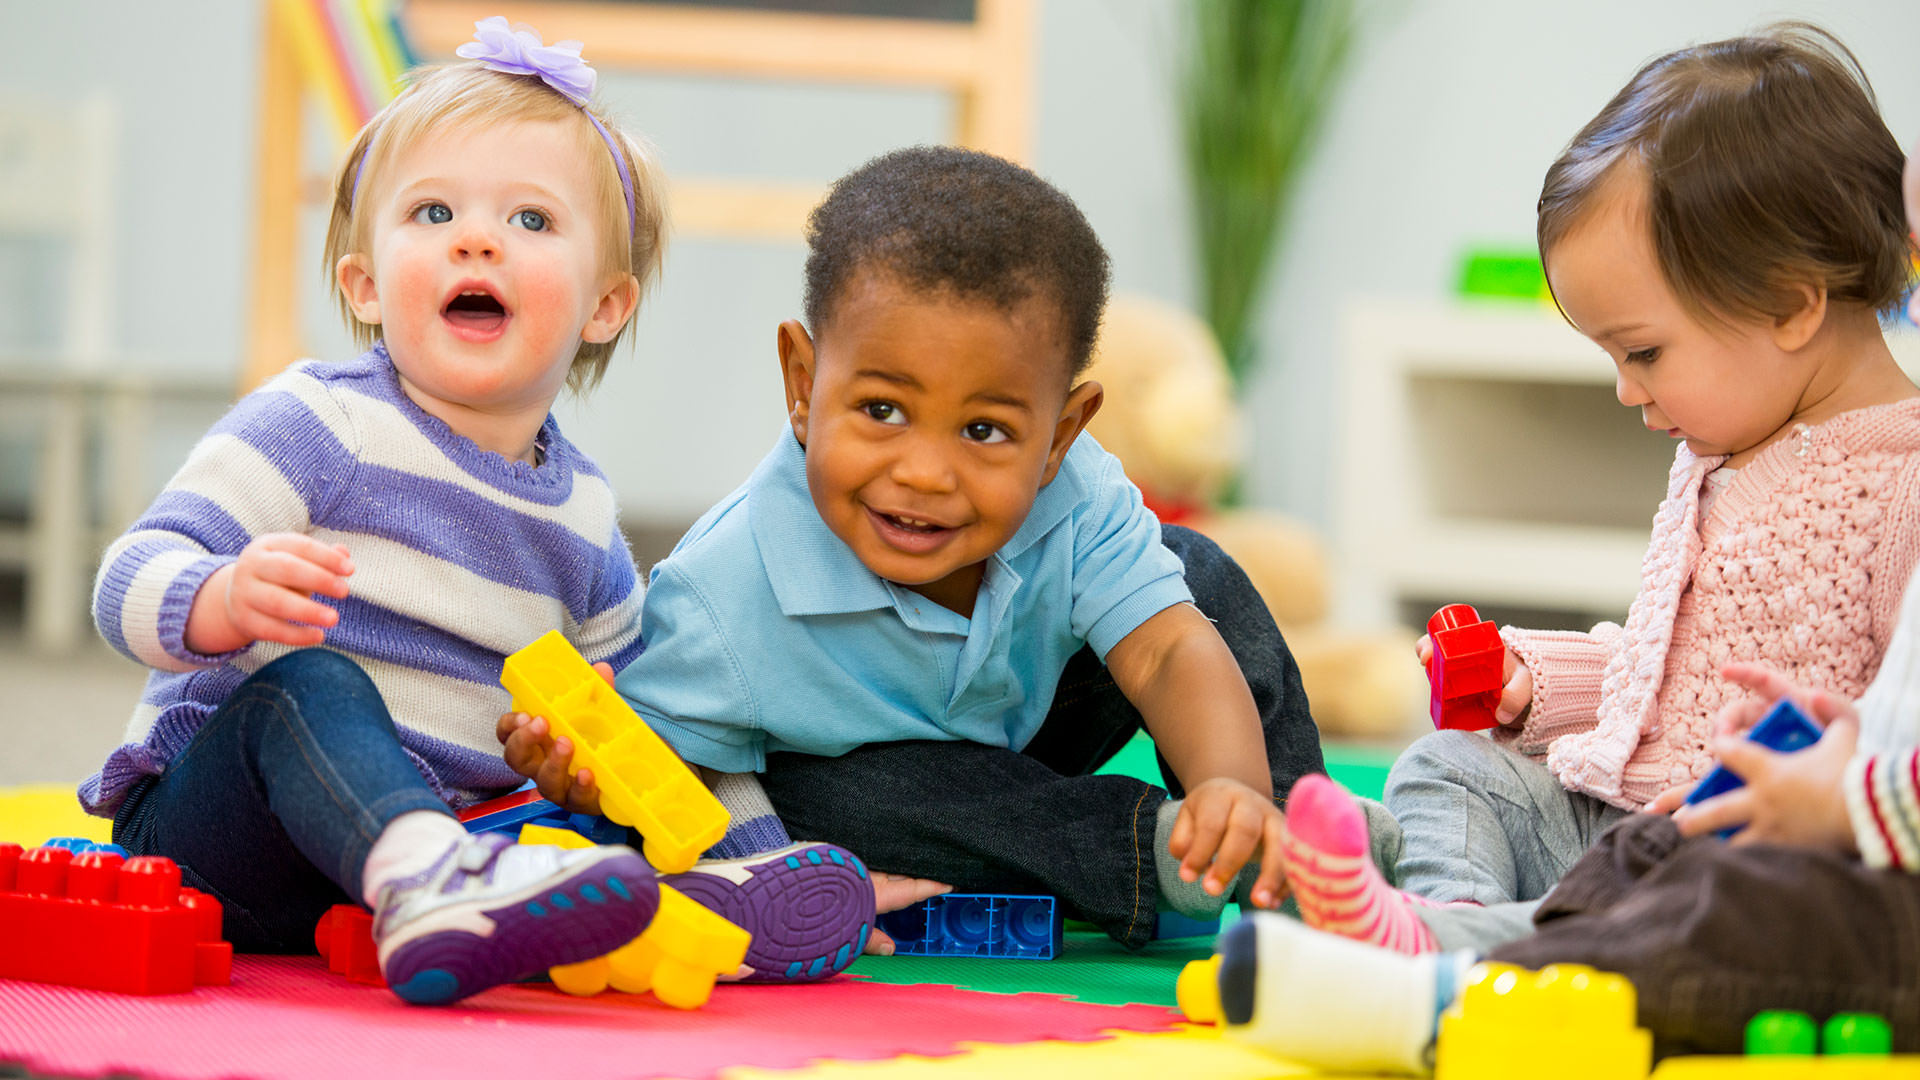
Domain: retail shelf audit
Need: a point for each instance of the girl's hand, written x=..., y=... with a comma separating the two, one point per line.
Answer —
x=1515, y=695
x=267, y=595
x=528, y=745
x=1792, y=799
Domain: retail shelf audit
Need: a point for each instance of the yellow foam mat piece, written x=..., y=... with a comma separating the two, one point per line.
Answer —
x=1127, y=1055
x=36, y=813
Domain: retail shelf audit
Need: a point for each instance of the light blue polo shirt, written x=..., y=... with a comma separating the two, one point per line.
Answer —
x=764, y=632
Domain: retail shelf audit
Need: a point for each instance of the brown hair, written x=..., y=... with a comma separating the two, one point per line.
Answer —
x=1767, y=168
x=469, y=94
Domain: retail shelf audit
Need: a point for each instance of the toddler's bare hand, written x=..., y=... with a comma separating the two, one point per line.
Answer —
x=530, y=750
x=1223, y=823
x=891, y=892
x=267, y=594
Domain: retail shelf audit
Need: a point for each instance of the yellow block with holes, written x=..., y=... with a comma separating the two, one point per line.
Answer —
x=678, y=956
x=642, y=782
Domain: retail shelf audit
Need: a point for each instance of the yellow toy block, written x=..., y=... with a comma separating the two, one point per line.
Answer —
x=642, y=782
x=1838, y=1067
x=678, y=956
x=1566, y=1021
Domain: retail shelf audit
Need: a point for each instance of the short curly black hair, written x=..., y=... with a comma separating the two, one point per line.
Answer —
x=943, y=218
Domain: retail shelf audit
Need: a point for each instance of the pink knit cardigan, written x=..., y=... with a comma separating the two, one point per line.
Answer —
x=1800, y=565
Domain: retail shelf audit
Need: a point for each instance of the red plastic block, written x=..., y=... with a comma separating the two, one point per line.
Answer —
x=1466, y=669
x=105, y=923
x=344, y=937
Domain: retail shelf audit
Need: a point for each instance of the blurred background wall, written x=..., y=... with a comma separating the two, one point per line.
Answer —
x=1434, y=144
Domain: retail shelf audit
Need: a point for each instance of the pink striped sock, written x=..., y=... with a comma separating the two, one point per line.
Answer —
x=1338, y=888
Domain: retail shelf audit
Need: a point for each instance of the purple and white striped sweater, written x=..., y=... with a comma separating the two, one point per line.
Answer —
x=460, y=555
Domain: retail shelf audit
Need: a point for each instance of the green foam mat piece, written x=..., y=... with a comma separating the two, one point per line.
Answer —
x=1091, y=967
x=1359, y=768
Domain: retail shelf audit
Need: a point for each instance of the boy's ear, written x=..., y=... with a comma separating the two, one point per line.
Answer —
x=796, y=370
x=1082, y=402
x=355, y=275
x=1792, y=332
x=615, y=308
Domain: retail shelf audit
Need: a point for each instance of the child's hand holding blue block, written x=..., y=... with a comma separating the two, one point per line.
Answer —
x=1784, y=729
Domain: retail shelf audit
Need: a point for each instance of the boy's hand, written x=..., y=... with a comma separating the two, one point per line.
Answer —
x=1515, y=695
x=529, y=749
x=267, y=595
x=1222, y=824
x=891, y=892
x=1792, y=799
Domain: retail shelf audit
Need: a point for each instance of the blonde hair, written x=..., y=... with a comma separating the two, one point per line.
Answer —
x=470, y=95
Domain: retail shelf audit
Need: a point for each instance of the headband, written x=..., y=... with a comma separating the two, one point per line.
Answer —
x=520, y=52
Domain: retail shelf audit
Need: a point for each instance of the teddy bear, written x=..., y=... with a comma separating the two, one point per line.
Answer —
x=1171, y=418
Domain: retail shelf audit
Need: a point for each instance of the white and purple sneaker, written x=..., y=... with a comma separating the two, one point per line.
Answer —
x=490, y=911
x=808, y=906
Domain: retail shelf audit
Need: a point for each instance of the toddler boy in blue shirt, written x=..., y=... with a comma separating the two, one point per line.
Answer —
x=935, y=606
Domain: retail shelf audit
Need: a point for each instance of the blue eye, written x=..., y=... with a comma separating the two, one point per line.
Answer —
x=983, y=432
x=432, y=213
x=884, y=411
x=530, y=220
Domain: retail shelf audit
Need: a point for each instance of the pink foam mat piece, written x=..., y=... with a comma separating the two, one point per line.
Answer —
x=287, y=1017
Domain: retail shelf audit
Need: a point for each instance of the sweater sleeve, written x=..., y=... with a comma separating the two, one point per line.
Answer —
x=1566, y=666
x=611, y=631
x=270, y=465
x=1882, y=803
x=1895, y=555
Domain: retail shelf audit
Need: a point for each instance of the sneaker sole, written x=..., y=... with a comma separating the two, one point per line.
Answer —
x=601, y=906
x=809, y=908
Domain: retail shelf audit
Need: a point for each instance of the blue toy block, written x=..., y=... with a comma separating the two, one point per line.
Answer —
x=484, y=818
x=598, y=829
x=976, y=924
x=1172, y=924
x=1784, y=729
x=80, y=845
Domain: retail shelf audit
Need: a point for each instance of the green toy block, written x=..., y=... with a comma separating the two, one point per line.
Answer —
x=1780, y=1032
x=1856, y=1033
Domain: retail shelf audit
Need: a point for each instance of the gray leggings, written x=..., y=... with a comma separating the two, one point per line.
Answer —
x=1478, y=822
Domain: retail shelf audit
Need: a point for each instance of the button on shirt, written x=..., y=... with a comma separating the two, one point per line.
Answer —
x=765, y=633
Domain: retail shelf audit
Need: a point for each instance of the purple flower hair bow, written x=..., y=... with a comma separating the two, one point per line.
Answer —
x=520, y=52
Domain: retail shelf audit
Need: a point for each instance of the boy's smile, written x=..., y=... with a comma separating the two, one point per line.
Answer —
x=930, y=423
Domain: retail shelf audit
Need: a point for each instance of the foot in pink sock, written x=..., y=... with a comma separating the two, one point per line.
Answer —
x=1338, y=888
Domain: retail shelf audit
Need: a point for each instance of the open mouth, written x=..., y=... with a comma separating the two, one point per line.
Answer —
x=475, y=310
x=910, y=534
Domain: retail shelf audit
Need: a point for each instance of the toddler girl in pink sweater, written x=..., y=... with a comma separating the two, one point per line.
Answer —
x=1728, y=229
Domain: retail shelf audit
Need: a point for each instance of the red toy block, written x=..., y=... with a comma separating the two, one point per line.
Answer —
x=1466, y=671
x=101, y=922
x=344, y=937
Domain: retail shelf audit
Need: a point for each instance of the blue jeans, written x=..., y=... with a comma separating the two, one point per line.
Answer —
x=272, y=807
x=1483, y=823
x=988, y=819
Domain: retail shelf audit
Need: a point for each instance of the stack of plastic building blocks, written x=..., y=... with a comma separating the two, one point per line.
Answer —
x=344, y=938
x=974, y=924
x=1565, y=1020
x=102, y=921
x=1465, y=670
x=685, y=948
x=1781, y=1045
x=642, y=782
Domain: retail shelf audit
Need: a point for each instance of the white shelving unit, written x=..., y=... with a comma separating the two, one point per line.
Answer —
x=1484, y=459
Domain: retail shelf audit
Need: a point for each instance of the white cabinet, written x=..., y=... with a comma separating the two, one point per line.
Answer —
x=1483, y=459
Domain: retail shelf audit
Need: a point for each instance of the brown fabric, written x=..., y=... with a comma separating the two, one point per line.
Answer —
x=1711, y=934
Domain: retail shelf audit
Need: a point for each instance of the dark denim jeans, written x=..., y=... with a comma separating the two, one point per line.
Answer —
x=988, y=819
x=1711, y=934
x=273, y=805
